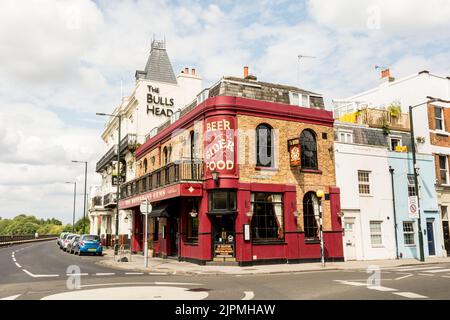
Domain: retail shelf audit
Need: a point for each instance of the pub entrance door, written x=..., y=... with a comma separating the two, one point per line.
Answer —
x=224, y=237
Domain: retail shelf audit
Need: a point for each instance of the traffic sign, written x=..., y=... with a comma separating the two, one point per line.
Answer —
x=413, y=208
x=144, y=206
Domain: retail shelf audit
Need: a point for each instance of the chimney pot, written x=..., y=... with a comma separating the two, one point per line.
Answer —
x=385, y=73
x=186, y=70
x=193, y=71
x=245, y=72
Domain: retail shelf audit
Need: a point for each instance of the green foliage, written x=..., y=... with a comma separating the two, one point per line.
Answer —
x=394, y=110
x=386, y=128
x=79, y=226
x=26, y=225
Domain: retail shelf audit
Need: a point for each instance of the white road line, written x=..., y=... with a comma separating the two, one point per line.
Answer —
x=18, y=265
x=403, y=277
x=14, y=259
x=446, y=277
x=11, y=297
x=39, y=275
x=157, y=274
x=436, y=271
x=410, y=295
x=178, y=283
x=248, y=295
x=425, y=274
x=352, y=283
x=105, y=274
x=77, y=274
x=381, y=288
x=417, y=268
x=134, y=273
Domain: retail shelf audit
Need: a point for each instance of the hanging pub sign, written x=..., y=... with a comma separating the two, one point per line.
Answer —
x=114, y=180
x=294, y=152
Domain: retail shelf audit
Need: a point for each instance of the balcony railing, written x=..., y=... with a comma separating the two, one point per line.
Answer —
x=109, y=200
x=106, y=159
x=128, y=143
x=97, y=201
x=171, y=173
x=378, y=118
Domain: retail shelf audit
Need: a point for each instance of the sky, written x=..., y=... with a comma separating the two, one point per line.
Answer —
x=61, y=61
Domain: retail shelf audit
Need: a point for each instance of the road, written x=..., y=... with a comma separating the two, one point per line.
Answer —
x=40, y=271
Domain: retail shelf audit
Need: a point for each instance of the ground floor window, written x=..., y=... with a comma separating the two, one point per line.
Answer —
x=267, y=219
x=192, y=221
x=311, y=216
x=375, y=234
x=155, y=228
x=408, y=233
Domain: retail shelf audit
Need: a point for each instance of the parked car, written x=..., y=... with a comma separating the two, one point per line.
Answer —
x=89, y=243
x=61, y=242
x=67, y=241
x=72, y=243
x=60, y=238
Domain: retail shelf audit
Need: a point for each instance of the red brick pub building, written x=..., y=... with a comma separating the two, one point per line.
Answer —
x=232, y=178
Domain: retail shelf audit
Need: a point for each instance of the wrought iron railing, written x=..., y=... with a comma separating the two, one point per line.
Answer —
x=109, y=199
x=106, y=159
x=171, y=173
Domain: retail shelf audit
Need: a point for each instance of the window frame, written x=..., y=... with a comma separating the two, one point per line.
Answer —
x=310, y=216
x=347, y=134
x=408, y=232
x=231, y=198
x=391, y=138
x=256, y=203
x=300, y=99
x=270, y=147
x=443, y=169
x=440, y=118
x=378, y=233
x=367, y=183
x=315, y=151
x=411, y=185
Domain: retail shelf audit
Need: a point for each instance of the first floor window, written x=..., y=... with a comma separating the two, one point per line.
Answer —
x=267, y=219
x=364, y=182
x=411, y=186
x=375, y=234
x=395, y=142
x=408, y=233
x=438, y=118
x=443, y=171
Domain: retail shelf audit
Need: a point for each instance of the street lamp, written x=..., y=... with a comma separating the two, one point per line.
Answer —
x=320, y=194
x=116, y=236
x=74, y=201
x=85, y=187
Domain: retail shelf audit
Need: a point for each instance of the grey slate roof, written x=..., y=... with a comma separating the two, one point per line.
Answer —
x=158, y=67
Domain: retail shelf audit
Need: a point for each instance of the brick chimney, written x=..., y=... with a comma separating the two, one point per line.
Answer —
x=386, y=76
x=245, y=72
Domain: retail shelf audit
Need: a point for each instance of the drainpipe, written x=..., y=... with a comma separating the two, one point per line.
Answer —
x=391, y=171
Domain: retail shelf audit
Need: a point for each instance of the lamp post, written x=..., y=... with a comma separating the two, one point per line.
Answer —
x=85, y=187
x=320, y=194
x=74, y=202
x=116, y=236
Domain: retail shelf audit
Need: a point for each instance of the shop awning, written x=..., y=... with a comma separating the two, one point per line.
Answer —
x=159, y=211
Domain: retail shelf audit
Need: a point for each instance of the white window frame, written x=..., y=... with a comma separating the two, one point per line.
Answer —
x=347, y=133
x=412, y=232
x=380, y=233
x=441, y=118
x=411, y=183
x=444, y=216
x=300, y=99
x=399, y=138
x=368, y=183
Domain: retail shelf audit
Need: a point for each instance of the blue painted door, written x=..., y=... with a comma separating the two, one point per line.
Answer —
x=430, y=236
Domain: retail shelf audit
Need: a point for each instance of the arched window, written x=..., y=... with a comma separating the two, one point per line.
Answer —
x=165, y=155
x=267, y=220
x=308, y=149
x=311, y=216
x=145, y=166
x=192, y=144
x=264, y=145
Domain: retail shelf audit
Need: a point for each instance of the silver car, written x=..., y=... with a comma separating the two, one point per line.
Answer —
x=67, y=240
x=72, y=243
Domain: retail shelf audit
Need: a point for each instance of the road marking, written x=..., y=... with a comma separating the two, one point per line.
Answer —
x=436, y=271
x=403, y=277
x=105, y=274
x=18, y=265
x=410, y=295
x=352, y=283
x=417, y=268
x=14, y=259
x=39, y=275
x=248, y=295
x=157, y=273
x=134, y=273
x=425, y=274
x=381, y=288
x=446, y=277
x=77, y=274
x=178, y=283
x=11, y=297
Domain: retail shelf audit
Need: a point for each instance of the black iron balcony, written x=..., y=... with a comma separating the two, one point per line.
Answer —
x=109, y=200
x=107, y=159
x=97, y=201
x=171, y=173
x=128, y=143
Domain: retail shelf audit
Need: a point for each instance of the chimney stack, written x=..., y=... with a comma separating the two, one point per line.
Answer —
x=186, y=70
x=385, y=73
x=193, y=71
x=245, y=72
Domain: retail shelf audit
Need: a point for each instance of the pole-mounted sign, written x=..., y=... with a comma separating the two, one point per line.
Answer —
x=145, y=208
x=413, y=207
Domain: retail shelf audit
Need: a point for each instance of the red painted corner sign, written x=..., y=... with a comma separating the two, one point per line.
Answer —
x=177, y=190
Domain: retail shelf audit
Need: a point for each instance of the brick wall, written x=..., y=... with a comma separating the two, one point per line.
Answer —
x=284, y=174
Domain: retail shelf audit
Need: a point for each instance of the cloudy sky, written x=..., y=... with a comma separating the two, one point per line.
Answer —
x=62, y=61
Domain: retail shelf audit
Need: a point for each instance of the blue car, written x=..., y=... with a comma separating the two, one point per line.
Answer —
x=88, y=243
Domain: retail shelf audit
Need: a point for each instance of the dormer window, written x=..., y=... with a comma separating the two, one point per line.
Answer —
x=298, y=99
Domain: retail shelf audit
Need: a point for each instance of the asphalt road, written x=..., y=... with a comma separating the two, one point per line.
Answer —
x=43, y=271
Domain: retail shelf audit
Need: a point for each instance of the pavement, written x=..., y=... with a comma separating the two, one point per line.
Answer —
x=173, y=266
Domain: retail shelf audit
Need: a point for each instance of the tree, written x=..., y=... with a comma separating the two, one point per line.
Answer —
x=79, y=225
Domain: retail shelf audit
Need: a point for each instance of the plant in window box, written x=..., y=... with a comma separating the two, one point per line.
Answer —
x=394, y=110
